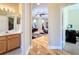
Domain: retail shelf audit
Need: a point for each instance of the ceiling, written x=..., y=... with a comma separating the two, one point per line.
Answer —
x=41, y=9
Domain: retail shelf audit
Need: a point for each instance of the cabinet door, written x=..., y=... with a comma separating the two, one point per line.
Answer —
x=2, y=46
x=13, y=42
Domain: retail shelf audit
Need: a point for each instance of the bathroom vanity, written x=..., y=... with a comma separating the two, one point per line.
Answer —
x=10, y=27
x=9, y=42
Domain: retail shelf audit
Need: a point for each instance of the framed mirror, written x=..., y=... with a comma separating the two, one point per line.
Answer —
x=10, y=23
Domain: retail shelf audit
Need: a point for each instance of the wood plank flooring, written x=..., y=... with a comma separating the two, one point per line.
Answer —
x=40, y=47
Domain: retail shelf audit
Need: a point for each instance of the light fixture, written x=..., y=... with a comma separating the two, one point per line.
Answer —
x=1, y=8
x=34, y=20
x=38, y=3
x=42, y=21
x=38, y=15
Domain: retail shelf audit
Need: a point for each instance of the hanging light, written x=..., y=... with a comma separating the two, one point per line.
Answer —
x=34, y=20
x=42, y=21
x=38, y=15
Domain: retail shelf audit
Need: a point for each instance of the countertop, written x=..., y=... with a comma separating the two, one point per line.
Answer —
x=9, y=33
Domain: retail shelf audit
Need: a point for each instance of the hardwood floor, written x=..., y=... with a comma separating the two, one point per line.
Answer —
x=40, y=47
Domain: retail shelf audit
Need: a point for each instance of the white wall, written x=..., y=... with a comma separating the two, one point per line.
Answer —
x=55, y=26
x=26, y=28
x=71, y=15
x=3, y=24
x=16, y=26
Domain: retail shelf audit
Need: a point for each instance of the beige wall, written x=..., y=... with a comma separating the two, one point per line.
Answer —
x=20, y=8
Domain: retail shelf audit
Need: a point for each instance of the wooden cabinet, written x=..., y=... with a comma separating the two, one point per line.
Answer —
x=13, y=42
x=9, y=42
x=3, y=44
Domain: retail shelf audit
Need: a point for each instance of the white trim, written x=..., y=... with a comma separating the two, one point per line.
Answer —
x=54, y=47
x=28, y=50
x=61, y=26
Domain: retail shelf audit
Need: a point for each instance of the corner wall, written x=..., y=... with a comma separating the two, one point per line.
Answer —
x=26, y=28
x=55, y=26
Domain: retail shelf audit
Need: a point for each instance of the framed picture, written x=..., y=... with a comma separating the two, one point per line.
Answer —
x=70, y=26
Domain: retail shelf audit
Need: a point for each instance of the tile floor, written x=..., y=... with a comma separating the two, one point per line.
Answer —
x=14, y=52
x=72, y=48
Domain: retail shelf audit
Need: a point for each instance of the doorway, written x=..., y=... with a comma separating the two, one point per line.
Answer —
x=71, y=27
x=39, y=28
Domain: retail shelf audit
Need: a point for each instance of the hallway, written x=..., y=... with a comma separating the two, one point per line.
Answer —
x=40, y=47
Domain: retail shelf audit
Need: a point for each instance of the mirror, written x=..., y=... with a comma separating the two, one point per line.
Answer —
x=10, y=23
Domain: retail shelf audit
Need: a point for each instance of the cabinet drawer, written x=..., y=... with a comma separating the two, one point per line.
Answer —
x=2, y=46
x=2, y=37
x=13, y=36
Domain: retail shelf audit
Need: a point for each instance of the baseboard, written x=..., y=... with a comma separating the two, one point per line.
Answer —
x=55, y=47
